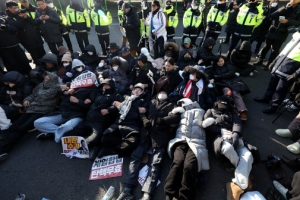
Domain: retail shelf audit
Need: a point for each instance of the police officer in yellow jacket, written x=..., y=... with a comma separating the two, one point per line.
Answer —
x=102, y=19
x=79, y=22
x=191, y=21
x=63, y=25
x=216, y=19
x=144, y=30
x=121, y=17
x=30, y=9
x=249, y=17
x=90, y=4
x=172, y=20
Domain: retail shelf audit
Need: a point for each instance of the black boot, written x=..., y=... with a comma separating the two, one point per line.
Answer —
x=258, y=62
x=261, y=100
x=270, y=109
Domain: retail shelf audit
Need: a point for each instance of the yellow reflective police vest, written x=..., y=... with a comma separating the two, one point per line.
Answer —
x=90, y=4
x=77, y=16
x=120, y=16
x=191, y=20
x=30, y=14
x=247, y=18
x=172, y=18
x=216, y=15
x=61, y=15
x=100, y=19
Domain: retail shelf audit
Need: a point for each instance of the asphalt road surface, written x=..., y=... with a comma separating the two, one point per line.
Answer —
x=38, y=169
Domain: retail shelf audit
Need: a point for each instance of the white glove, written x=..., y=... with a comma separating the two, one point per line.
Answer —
x=69, y=74
x=177, y=110
x=145, y=51
x=209, y=121
x=210, y=85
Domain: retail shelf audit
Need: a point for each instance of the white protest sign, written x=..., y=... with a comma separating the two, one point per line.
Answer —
x=75, y=146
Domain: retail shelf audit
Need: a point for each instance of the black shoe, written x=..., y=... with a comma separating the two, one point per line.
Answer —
x=258, y=62
x=261, y=100
x=270, y=109
x=3, y=156
x=44, y=136
x=94, y=153
x=126, y=195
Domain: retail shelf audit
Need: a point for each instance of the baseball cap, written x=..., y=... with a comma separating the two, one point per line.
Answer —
x=187, y=40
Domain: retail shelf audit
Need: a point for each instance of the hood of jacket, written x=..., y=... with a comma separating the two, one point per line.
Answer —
x=132, y=11
x=209, y=42
x=14, y=77
x=108, y=82
x=77, y=63
x=54, y=80
x=49, y=57
x=246, y=46
x=90, y=47
x=173, y=44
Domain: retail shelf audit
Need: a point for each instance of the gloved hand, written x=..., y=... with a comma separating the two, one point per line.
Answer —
x=160, y=121
x=72, y=31
x=235, y=139
x=292, y=77
x=69, y=74
x=207, y=122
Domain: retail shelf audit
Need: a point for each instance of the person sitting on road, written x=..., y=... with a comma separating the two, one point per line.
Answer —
x=90, y=57
x=205, y=56
x=64, y=72
x=171, y=46
x=77, y=68
x=187, y=54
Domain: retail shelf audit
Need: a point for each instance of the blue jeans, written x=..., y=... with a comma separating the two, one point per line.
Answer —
x=56, y=124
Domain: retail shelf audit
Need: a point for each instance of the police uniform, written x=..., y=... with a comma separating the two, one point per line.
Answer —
x=286, y=70
x=216, y=19
x=30, y=10
x=121, y=18
x=192, y=19
x=79, y=23
x=144, y=30
x=249, y=17
x=102, y=19
x=90, y=4
x=172, y=21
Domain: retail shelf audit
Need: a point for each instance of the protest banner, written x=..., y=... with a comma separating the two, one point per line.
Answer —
x=106, y=167
x=86, y=79
x=75, y=146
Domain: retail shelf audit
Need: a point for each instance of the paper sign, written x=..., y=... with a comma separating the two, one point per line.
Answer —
x=106, y=167
x=85, y=79
x=75, y=146
x=143, y=175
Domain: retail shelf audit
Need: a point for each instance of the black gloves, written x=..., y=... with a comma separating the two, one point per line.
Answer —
x=235, y=140
x=292, y=77
x=160, y=121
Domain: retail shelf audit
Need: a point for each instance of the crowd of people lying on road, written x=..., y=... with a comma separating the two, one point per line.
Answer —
x=182, y=102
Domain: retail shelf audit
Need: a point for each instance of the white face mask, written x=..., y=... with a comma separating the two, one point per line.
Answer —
x=165, y=57
x=51, y=5
x=220, y=2
x=194, y=7
x=115, y=68
x=162, y=96
x=101, y=64
x=90, y=53
x=192, y=77
x=79, y=69
x=274, y=4
x=66, y=64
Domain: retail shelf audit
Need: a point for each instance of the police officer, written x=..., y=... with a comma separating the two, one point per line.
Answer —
x=286, y=70
x=63, y=26
x=79, y=22
x=172, y=19
x=121, y=18
x=102, y=19
x=30, y=9
x=192, y=19
x=90, y=5
x=216, y=19
x=248, y=18
x=278, y=32
x=144, y=30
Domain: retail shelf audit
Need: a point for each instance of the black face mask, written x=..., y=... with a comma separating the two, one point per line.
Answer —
x=108, y=91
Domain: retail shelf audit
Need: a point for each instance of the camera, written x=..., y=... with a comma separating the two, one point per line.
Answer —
x=293, y=29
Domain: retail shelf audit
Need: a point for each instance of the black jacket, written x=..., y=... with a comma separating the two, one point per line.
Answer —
x=241, y=55
x=279, y=31
x=139, y=75
x=91, y=61
x=174, y=79
x=205, y=54
x=131, y=24
x=104, y=101
x=8, y=37
x=231, y=22
x=49, y=28
x=21, y=90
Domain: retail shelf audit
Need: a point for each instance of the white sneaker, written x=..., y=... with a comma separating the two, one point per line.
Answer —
x=287, y=101
x=251, y=74
x=282, y=190
x=284, y=133
x=291, y=108
x=294, y=148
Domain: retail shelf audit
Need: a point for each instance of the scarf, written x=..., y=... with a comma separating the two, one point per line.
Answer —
x=126, y=105
x=188, y=88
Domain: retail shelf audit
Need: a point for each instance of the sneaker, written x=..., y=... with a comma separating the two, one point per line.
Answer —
x=3, y=156
x=243, y=115
x=282, y=190
x=291, y=107
x=287, y=101
x=44, y=136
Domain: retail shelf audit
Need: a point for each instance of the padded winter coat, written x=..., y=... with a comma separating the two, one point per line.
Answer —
x=205, y=54
x=241, y=55
x=91, y=61
x=132, y=27
x=190, y=131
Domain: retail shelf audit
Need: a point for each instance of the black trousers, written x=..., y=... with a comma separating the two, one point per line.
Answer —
x=277, y=89
x=11, y=112
x=25, y=122
x=82, y=37
x=36, y=53
x=53, y=47
x=14, y=59
x=274, y=46
x=93, y=131
x=158, y=46
x=68, y=41
x=104, y=42
x=181, y=181
x=235, y=40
